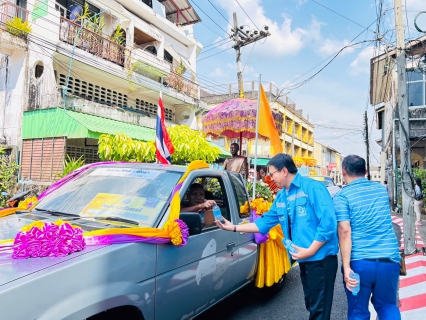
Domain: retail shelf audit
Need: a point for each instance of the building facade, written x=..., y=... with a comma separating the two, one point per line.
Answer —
x=384, y=96
x=329, y=162
x=92, y=67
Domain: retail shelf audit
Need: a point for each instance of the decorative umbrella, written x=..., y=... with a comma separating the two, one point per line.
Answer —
x=236, y=118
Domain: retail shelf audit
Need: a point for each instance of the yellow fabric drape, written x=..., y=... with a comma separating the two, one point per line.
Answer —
x=273, y=259
x=9, y=211
x=267, y=126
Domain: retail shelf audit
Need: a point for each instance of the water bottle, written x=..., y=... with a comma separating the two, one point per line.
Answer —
x=287, y=244
x=217, y=214
x=356, y=277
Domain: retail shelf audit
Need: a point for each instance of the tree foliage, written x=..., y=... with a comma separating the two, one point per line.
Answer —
x=421, y=173
x=189, y=145
x=70, y=164
x=8, y=177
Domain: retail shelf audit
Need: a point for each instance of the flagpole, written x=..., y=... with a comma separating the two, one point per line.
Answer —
x=257, y=137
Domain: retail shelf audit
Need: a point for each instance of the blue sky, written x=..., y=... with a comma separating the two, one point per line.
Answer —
x=305, y=35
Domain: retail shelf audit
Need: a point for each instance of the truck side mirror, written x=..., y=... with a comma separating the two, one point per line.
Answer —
x=193, y=221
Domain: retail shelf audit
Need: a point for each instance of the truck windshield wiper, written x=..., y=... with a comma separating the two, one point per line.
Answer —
x=115, y=219
x=111, y=218
x=58, y=213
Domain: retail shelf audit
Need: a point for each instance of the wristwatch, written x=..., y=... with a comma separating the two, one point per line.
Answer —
x=235, y=228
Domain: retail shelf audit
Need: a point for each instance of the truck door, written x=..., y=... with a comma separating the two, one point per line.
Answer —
x=193, y=277
x=247, y=248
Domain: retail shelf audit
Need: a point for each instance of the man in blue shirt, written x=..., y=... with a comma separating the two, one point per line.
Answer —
x=368, y=244
x=304, y=209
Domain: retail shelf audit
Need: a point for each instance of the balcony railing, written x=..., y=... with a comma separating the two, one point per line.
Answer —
x=9, y=11
x=182, y=84
x=92, y=42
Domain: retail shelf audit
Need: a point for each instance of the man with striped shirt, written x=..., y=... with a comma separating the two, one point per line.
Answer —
x=368, y=244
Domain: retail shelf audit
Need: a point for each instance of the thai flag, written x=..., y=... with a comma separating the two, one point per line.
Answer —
x=163, y=144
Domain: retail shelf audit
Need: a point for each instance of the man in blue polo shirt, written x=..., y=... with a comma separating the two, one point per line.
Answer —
x=304, y=209
x=368, y=244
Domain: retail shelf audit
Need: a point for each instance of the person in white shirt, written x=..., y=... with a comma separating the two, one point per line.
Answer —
x=418, y=201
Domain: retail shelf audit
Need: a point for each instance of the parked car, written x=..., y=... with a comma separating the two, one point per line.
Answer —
x=329, y=183
x=130, y=281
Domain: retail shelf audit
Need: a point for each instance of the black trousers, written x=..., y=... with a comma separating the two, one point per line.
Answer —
x=318, y=286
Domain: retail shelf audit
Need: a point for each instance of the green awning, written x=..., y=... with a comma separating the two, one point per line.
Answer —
x=57, y=122
x=260, y=161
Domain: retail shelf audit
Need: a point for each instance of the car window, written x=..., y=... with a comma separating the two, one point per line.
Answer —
x=213, y=190
x=120, y=191
x=241, y=196
x=327, y=181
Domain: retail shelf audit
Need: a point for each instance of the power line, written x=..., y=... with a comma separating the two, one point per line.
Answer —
x=248, y=57
x=334, y=56
x=216, y=47
x=208, y=16
x=214, y=54
x=338, y=14
x=246, y=15
x=203, y=24
x=215, y=42
x=220, y=13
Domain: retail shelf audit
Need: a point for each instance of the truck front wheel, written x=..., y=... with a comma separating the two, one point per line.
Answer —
x=124, y=312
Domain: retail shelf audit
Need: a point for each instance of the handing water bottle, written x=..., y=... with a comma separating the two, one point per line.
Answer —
x=287, y=244
x=356, y=277
x=217, y=214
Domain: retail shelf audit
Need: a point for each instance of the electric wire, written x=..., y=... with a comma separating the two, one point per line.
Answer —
x=246, y=14
x=220, y=13
x=214, y=54
x=208, y=16
x=216, y=47
x=338, y=14
x=248, y=57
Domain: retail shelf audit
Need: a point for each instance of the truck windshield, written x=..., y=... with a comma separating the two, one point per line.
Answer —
x=115, y=191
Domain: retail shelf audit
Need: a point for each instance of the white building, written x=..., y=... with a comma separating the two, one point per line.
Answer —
x=76, y=76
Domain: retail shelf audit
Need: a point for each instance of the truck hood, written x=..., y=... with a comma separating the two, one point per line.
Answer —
x=13, y=269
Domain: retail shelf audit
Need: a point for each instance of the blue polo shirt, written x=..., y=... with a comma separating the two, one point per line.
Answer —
x=308, y=206
x=366, y=205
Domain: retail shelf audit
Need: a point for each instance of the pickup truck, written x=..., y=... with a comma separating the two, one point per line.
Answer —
x=131, y=281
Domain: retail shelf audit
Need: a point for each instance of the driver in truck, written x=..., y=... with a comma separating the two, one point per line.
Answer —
x=198, y=203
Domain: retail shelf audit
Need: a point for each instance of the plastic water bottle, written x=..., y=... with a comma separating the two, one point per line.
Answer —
x=217, y=214
x=356, y=277
x=287, y=244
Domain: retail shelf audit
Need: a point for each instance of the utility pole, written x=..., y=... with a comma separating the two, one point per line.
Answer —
x=404, y=134
x=367, y=145
x=242, y=38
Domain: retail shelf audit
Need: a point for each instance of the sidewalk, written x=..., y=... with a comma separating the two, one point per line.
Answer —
x=412, y=287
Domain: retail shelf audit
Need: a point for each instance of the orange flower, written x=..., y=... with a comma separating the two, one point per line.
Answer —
x=260, y=205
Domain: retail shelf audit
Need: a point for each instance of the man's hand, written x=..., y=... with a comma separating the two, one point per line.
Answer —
x=208, y=204
x=350, y=283
x=302, y=253
x=225, y=226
